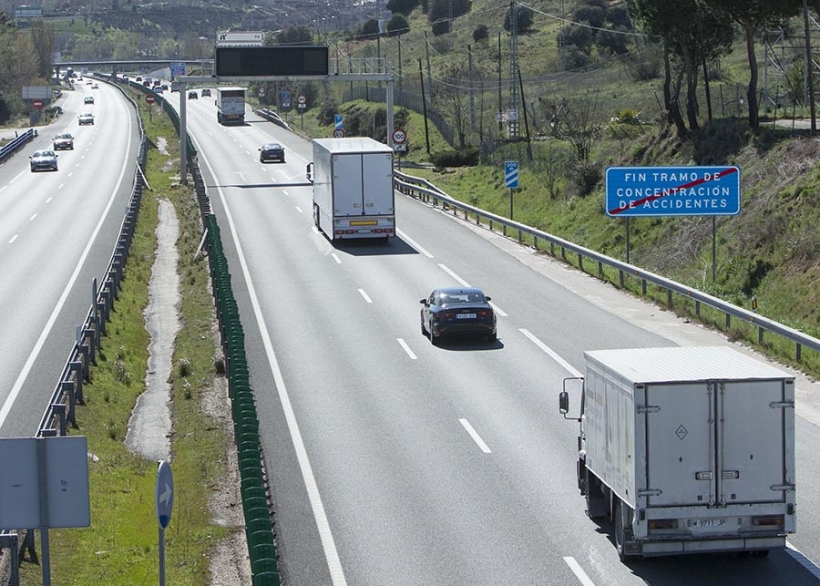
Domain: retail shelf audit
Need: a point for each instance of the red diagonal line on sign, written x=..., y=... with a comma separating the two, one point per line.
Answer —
x=694, y=183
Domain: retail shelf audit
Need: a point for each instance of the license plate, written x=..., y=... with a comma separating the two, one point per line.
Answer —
x=465, y=316
x=708, y=522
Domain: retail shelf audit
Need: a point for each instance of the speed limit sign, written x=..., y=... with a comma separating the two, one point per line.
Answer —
x=301, y=99
x=338, y=133
x=399, y=136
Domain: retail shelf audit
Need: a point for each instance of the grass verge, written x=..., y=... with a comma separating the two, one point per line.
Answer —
x=121, y=545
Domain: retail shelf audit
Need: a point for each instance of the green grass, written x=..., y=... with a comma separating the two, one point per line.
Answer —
x=121, y=545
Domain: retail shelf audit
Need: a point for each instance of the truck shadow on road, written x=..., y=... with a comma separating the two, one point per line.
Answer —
x=261, y=185
x=374, y=247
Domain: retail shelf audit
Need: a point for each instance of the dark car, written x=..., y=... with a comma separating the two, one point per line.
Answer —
x=192, y=95
x=88, y=100
x=43, y=161
x=63, y=142
x=206, y=93
x=455, y=311
x=272, y=151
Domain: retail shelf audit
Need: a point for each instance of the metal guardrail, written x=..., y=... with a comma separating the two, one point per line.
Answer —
x=272, y=116
x=15, y=145
x=60, y=411
x=423, y=189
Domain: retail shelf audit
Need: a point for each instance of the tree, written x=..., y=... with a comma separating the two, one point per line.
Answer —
x=754, y=16
x=441, y=12
x=592, y=15
x=294, y=35
x=404, y=7
x=453, y=98
x=480, y=33
x=397, y=25
x=370, y=28
x=523, y=19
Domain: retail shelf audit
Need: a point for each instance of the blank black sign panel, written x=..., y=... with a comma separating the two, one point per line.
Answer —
x=271, y=61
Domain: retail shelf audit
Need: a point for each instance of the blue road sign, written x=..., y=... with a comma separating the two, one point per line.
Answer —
x=337, y=122
x=164, y=494
x=286, y=99
x=178, y=68
x=510, y=174
x=672, y=191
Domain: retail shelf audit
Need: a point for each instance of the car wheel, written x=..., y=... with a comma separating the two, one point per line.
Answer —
x=423, y=330
x=434, y=339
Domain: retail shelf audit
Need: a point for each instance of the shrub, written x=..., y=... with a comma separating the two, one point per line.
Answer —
x=586, y=176
x=480, y=33
x=465, y=157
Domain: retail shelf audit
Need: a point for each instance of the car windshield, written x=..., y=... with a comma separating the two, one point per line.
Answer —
x=272, y=147
x=44, y=153
x=63, y=136
x=461, y=298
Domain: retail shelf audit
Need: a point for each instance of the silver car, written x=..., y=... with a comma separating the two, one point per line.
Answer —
x=43, y=161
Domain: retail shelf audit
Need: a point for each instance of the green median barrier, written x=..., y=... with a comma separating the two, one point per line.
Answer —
x=251, y=478
x=265, y=572
x=263, y=551
x=259, y=537
x=256, y=492
x=266, y=579
x=254, y=502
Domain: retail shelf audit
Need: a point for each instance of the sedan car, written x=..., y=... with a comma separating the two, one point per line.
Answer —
x=272, y=151
x=95, y=87
x=192, y=95
x=456, y=311
x=43, y=161
x=88, y=100
x=206, y=93
x=63, y=142
x=87, y=118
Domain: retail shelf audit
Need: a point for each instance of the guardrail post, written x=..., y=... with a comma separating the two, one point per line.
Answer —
x=600, y=269
x=77, y=369
x=669, y=298
x=643, y=287
x=59, y=410
x=760, y=336
x=520, y=236
x=83, y=350
x=580, y=261
x=728, y=321
x=68, y=389
x=798, y=351
x=89, y=333
x=697, y=308
x=621, y=278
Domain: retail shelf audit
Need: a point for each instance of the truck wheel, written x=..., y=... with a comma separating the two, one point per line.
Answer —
x=597, y=506
x=316, y=215
x=619, y=530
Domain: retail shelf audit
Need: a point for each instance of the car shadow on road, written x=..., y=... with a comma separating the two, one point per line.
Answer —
x=467, y=344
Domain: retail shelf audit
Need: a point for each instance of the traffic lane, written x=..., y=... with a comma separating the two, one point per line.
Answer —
x=53, y=261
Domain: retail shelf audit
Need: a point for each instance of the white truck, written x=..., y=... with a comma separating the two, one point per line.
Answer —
x=230, y=105
x=687, y=450
x=353, y=188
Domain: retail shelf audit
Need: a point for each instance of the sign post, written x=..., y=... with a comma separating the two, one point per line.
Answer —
x=399, y=140
x=165, y=504
x=511, y=180
x=301, y=104
x=150, y=99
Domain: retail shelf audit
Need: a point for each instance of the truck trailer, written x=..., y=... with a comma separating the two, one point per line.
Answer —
x=230, y=105
x=686, y=450
x=353, y=188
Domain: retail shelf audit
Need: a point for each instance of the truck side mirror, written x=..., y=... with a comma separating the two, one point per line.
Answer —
x=563, y=402
x=309, y=172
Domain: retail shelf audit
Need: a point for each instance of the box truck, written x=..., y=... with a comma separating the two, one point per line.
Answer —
x=353, y=188
x=230, y=105
x=686, y=450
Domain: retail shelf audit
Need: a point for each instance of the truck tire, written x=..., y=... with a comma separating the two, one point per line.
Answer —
x=597, y=505
x=619, y=530
x=316, y=215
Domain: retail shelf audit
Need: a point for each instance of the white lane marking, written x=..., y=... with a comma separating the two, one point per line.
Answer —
x=20, y=174
x=464, y=283
x=298, y=209
x=476, y=438
x=336, y=258
x=414, y=244
x=334, y=564
x=366, y=297
x=58, y=307
x=801, y=559
x=407, y=349
x=458, y=279
x=70, y=173
x=2, y=189
x=285, y=191
x=13, y=238
x=578, y=571
x=32, y=217
x=50, y=198
x=552, y=354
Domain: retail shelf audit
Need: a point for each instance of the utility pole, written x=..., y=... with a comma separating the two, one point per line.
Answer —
x=472, y=95
x=399, y=39
x=424, y=108
x=809, y=68
x=429, y=76
x=500, y=117
x=512, y=126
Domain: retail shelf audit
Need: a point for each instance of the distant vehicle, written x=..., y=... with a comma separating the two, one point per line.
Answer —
x=95, y=86
x=206, y=92
x=138, y=78
x=230, y=105
x=86, y=118
x=192, y=95
x=272, y=151
x=43, y=161
x=458, y=311
x=353, y=188
x=158, y=90
x=146, y=83
x=157, y=82
x=88, y=82
x=63, y=142
x=88, y=100
x=164, y=87
x=175, y=85
x=687, y=450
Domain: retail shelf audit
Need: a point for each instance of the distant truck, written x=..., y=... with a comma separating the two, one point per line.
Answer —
x=230, y=105
x=353, y=188
x=687, y=450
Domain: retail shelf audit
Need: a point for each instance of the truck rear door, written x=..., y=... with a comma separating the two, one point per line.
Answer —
x=714, y=443
x=348, y=183
x=378, y=188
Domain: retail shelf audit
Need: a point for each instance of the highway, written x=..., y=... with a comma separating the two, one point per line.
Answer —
x=394, y=462
x=57, y=232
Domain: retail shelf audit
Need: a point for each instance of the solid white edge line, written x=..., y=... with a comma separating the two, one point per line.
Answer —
x=578, y=571
x=413, y=243
x=336, y=258
x=552, y=354
x=38, y=346
x=801, y=559
x=334, y=564
x=365, y=295
x=447, y=270
x=476, y=438
x=407, y=349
